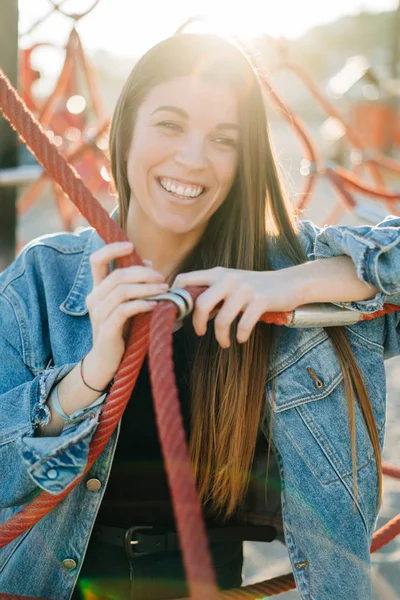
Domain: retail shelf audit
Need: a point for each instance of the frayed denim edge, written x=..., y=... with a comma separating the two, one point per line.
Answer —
x=41, y=412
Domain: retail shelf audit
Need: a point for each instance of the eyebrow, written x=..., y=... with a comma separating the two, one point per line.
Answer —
x=182, y=113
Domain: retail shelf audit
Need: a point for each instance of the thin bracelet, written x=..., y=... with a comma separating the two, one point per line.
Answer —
x=89, y=386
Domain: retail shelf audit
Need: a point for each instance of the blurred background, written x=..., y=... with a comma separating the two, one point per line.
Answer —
x=332, y=89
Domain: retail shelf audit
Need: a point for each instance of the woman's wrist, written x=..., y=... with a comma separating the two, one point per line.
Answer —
x=73, y=395
x=330, y=280
x=94, y=377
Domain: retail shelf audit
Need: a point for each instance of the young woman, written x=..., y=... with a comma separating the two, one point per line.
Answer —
x=200, y=199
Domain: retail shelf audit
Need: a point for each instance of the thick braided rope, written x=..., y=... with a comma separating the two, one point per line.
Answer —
x=391, y=470
x=386, y=534
x=187, y=508
x=185, y=501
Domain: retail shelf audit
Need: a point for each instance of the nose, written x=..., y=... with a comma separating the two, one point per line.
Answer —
x=191, y=153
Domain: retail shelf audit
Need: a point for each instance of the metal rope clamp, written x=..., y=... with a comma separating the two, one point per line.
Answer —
x=323, y=315
x=180, y=297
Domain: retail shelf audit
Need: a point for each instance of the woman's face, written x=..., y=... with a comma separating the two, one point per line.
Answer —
x=183, y=156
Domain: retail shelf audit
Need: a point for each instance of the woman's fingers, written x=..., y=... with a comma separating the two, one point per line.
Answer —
x=233, y=305
x=100, y=259
x=235, y=291
x=248, y=321
x=206, y=303
x=117, y=297
x=119, y=315
x=127, y=275
x=124, y=293
x=206, y=277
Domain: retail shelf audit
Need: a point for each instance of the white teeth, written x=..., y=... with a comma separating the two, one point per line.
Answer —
x=187, y=191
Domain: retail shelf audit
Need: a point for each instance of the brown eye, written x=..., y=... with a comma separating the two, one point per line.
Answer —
x=226, y=141
x=170, y=125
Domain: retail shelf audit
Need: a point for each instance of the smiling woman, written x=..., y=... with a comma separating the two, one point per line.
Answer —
x=181, y=163
x=182, y=156
x=200, y=198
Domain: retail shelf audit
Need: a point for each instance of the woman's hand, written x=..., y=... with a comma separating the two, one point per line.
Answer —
x=115, y=298
x=249, y=292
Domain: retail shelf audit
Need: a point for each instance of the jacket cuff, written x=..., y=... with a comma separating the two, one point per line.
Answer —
x=53, y=463
x=40, y=392
x=48, y=379
x=375, y=251
x=365, y=306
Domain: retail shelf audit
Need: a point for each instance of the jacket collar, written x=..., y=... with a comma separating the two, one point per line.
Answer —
x=75, y=302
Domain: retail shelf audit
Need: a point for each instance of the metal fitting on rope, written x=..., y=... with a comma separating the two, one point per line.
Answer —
x=323, y=315
x=180, y=297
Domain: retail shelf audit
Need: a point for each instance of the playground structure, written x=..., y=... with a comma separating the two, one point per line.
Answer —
x=81, y=135
x=85, y=154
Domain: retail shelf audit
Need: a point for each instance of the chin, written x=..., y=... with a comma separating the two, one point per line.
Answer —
x=177, y=226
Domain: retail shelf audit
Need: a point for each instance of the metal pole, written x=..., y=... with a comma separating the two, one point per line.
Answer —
x=22, y=175
x=8, y=138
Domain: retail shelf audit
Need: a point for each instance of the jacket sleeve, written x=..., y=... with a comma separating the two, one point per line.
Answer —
x=375, y=251
x=29, y=464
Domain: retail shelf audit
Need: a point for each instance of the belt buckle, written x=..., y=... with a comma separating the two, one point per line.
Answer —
x=130, y=543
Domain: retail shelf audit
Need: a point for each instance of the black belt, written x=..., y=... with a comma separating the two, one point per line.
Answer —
x=142, y=540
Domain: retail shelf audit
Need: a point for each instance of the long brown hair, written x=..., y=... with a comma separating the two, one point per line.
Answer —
x=227, y=387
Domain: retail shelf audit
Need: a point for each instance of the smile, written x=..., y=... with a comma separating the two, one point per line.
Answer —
x=180, y=188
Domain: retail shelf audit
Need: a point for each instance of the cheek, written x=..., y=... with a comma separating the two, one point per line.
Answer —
x=226, y=169
x=143, y=157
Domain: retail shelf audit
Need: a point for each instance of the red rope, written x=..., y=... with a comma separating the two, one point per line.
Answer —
x=185, y=500
x=386, y=534
x=186, y=504
x=391, y=470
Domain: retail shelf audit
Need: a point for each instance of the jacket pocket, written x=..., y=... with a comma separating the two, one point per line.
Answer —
x=310, y=409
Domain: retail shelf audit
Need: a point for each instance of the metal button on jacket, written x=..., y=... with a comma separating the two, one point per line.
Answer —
x=69, y=563
x=52, y=473
x=93, y=484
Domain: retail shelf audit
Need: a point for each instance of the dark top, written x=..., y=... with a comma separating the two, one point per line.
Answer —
x=137, y=492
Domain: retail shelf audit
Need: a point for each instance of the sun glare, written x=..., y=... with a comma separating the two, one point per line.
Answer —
x=241, y=24
x=122, y=29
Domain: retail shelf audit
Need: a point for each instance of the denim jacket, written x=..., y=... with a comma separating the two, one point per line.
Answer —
x=44, y=332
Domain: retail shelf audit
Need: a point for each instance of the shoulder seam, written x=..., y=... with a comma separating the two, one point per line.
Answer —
x=46, y=244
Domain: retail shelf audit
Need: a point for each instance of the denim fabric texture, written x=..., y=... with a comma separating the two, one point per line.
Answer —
x=44, y=332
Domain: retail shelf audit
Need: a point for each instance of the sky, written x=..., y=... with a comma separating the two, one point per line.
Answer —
x=128, y=28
